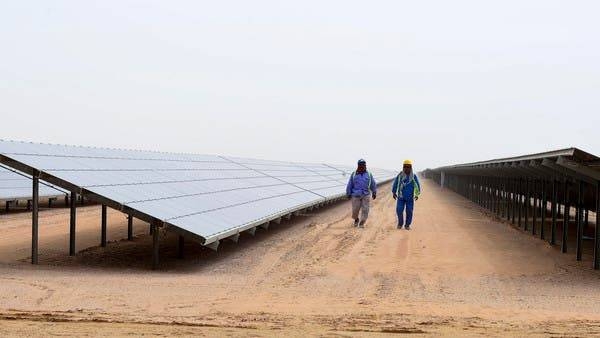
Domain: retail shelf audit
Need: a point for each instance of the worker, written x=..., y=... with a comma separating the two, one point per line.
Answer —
x=361, y=188
x=406, y=190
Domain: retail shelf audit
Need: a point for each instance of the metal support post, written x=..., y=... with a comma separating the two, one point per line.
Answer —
x=103, y=227
x=72, y=223
x=34, y=217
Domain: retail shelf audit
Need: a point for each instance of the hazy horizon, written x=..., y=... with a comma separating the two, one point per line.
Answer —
x=436, y=82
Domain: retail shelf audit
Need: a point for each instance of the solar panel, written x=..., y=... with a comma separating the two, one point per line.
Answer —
x=213, y=197
x=17, y=186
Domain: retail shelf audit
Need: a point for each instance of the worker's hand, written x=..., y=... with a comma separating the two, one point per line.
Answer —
x=394, y=196
x=374, y=195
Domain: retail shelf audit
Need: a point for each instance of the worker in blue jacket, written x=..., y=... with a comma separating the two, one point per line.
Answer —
x=361, y=187
x=406, y=190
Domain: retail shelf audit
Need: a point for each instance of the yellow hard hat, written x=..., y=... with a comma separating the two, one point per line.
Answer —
x=408, y=162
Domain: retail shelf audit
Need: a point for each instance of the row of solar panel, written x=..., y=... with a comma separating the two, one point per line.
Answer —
x=17, y=186
x=208, y=195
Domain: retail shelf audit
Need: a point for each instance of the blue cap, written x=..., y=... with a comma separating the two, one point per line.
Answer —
x=361, y=161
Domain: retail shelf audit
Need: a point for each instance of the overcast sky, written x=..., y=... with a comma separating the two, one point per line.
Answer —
x=439, y=82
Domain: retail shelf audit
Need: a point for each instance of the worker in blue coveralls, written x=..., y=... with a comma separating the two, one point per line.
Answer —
x=361, y=187
x=406, y=190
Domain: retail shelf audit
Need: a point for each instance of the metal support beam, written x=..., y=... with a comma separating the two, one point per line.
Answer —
x=579, y=211
x=481, y=188
x=497, y=195
x=507, y=199
x=535, y=208
x=488, y=194
x=544, y=209
x=476, y=190
x=586, y=221
x=554, y=210
x=501, y=192
x=490, y=183
x=473, y=191
x=499, y=201
x=527, y=203
x=514, y=201
x=494, y=196
x=34, y=218
x=566, y=216
x=520, y=190
x=72, y=223
x=103, y=230
x=486, y=197
x=469, y=188
x=130, y=227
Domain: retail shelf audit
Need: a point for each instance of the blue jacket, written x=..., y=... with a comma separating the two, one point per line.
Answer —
x=361, y=185
x=408, y=192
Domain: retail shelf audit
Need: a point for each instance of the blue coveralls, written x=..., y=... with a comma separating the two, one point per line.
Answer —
x=407, y=200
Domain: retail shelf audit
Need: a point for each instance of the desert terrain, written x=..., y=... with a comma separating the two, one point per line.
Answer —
x=459, y=271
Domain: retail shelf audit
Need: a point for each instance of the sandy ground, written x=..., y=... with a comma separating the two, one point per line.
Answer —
x=458, y=272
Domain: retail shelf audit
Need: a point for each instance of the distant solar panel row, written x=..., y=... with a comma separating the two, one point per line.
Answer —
x=213, y=197
x=17, y=186
x=530, y=190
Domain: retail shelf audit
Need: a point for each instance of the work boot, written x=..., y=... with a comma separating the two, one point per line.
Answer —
x=407, y=227
x=400, y=225
x=362, y=224
x=356, y=222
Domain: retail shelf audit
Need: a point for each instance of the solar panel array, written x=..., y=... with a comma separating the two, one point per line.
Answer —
x=211, y=196
x=17, y=186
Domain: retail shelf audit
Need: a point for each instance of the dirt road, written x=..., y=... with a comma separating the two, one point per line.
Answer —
x=457, y=272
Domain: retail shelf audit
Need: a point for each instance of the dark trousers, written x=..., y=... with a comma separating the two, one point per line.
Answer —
x=407, y=204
